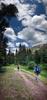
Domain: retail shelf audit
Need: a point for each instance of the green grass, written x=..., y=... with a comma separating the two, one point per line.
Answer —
x=44, y=73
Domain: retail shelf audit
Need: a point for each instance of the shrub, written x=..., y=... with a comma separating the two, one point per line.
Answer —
x=44, y=66
x=31, y=65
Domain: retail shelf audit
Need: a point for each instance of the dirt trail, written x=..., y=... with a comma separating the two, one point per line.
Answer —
x=22, y=86
x=36, y=88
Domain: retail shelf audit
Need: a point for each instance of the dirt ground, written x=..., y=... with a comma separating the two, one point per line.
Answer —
x=22, y=86
x=35, y=87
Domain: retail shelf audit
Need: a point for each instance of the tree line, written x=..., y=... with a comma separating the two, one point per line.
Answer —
x=26, y=55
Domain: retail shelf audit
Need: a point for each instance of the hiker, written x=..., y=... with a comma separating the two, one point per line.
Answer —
x=37, y=71
x=18, y=67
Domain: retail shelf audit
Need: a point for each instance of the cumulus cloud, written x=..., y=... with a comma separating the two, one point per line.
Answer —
x=10, y=45
x=7, y=1
x=25, y=9
x=36, y=25
x=35, y=30
x=36, y=20
x=39, y=22
x=45, y=1
x=9, y=33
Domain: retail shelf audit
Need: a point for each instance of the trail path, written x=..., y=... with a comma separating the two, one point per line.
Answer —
x=23, y=86
x=35, y=87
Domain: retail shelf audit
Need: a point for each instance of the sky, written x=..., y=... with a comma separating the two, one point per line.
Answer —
x=30, y=23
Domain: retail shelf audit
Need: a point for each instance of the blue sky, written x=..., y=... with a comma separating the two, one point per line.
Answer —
x=30, y=24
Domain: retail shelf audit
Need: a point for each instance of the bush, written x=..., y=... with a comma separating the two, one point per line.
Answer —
x=31, y=65
x=44, y=66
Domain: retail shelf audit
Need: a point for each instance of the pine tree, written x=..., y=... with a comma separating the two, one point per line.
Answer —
x=37, y=56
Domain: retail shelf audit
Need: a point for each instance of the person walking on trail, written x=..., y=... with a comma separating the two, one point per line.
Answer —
x=37, y=71
x=18, y=67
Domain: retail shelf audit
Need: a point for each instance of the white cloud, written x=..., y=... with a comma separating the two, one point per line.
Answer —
x=20, y=35
x=30, y=33
x=39, y=36
x=25, y=10
x=9, y=32
x=45, y=1
x=17, y=44
x=40, y=43
x=44, y=24
x=24, y=43
x=7, y=1
x=37, y=20
x=10, y=45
